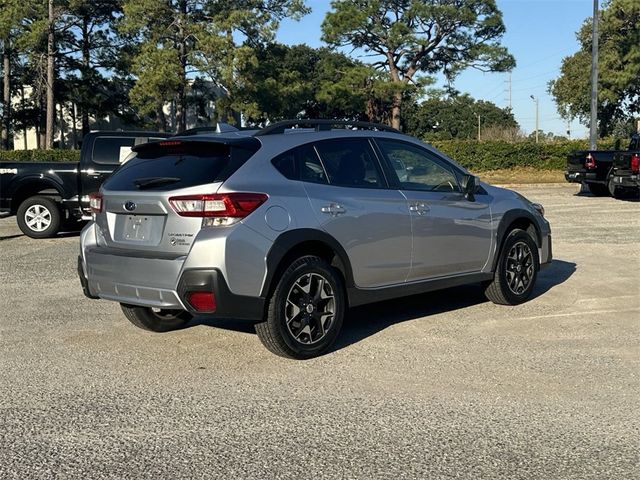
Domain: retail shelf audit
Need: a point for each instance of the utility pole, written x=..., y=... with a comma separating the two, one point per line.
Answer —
x=537, y=100
x=478, y=115
x=593, y=131
x=509, y=91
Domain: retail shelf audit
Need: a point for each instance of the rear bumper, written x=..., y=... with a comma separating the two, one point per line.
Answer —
x=627, y=181
x=582, y=176
x=160, y=283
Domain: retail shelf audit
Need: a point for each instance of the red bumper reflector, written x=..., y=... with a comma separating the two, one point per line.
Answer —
x=202, y=301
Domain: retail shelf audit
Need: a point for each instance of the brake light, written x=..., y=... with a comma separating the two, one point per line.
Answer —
x=225, y=207
x=170, y=143
x=202, y=301
x=590, y=161
x=95, y=202
x=635, y=163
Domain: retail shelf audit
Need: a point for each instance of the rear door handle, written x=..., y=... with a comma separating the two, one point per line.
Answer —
x=419, y=208
x=333, y=209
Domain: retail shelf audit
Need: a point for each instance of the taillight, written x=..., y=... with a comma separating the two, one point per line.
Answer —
x=202, y=301
x=220, y=208
x=95, y=202
x=590, y=162
x=635, y=163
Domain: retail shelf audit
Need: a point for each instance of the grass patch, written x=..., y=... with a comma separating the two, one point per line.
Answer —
x=522, y=175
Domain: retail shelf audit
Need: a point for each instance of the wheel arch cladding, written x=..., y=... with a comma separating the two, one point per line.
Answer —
x=296, y=243
x=516, y=219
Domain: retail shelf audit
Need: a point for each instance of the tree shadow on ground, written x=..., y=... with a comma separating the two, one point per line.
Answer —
x=365, y=321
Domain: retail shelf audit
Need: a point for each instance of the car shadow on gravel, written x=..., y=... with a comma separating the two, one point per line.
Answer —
x=365, y=321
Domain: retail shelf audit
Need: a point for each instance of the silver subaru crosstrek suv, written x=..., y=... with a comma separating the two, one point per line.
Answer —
x=293, y=224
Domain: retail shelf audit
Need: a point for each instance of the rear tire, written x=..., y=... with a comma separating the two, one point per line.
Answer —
x=614, y=190
x=598, y=189
x=155, y=320
x=516, y=270
x=39, y=217
x=306, y=310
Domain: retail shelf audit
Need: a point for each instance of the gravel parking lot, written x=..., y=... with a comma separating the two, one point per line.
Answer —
x=444, y=385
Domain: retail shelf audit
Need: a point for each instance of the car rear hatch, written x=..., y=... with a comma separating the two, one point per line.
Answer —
x=138, y=209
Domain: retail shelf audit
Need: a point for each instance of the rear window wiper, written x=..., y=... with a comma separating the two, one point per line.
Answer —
x=154, y=181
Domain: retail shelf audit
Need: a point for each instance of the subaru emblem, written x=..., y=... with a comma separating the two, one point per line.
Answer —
x=129, y=206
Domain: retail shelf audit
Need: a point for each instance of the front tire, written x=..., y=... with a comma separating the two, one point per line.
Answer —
x=516, y=271
x=156, y=320
x=306, y=310
x=39, y=217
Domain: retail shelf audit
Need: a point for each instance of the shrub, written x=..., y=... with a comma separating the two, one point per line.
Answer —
x=494, y=155
x=40, y=155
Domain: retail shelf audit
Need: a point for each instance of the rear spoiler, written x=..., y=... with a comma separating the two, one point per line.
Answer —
x=175, y=144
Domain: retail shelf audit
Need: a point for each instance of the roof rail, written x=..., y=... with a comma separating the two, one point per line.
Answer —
x=321, y=125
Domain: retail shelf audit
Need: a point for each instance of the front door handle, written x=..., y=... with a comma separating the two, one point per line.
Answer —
x=333, y=209
x=419, y=208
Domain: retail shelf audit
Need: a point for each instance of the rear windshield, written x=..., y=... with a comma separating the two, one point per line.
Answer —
x=161, y=169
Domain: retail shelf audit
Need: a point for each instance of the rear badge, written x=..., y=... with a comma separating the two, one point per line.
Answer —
x=180, y=239
x=129, y=206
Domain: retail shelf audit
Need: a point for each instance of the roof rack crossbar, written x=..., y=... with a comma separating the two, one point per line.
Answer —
x=321, y=125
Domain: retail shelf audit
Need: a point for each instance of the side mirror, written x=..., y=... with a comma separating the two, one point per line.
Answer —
x=469, y=184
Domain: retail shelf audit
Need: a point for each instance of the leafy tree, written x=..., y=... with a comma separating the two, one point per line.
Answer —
x=413, y=37
x=293, y=81
x=618, y=65
x=89, y=55
x=182, y=38
x=456, y=117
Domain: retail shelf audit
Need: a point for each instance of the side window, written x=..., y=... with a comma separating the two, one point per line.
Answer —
x=285, y=163
x=418, y=169
x=350, y=163
x=311, y=170
x=112, y=150
x=301, y=163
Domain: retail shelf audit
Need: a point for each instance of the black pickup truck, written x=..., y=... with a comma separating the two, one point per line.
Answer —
x=626, y=170
x=595, y=168
x=49, y=196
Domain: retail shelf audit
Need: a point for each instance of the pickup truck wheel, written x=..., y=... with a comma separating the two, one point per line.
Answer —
x=598, y=190
x=516, y=271
x=155, y=319
x=614, y=190
x=39, y=217
x=305, y=311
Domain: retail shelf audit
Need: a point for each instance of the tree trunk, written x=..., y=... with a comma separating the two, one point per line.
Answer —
x=161, y=119
x=24, y=124
x=61, y=116
x=86, y=65
x=6, y=97
x=181, y=100
x=50, y=79
x=74, y=128
x=395, y=110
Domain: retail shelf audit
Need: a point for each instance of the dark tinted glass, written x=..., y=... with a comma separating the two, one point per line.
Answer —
x=170, y=169
x=301, y=163
x=311, y=169
x=350, y=163
x=112, y=150
x=286, y=164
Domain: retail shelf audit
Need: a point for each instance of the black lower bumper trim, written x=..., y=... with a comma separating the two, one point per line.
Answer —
x=228, y=304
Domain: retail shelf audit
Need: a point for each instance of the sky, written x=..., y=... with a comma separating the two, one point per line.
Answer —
x=540, y=33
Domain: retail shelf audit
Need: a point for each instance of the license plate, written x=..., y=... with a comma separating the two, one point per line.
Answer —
x=137, y=228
